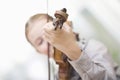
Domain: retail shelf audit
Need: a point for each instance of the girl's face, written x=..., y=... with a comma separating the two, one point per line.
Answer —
x=35, y=36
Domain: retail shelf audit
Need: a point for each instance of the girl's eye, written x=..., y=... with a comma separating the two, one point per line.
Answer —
x=41, y=41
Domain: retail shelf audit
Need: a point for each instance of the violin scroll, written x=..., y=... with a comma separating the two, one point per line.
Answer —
x=61, y=17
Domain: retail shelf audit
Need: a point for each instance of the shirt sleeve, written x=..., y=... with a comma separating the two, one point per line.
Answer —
x=94, y=63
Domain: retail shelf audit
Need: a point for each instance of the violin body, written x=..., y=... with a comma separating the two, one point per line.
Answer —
x=63, y=65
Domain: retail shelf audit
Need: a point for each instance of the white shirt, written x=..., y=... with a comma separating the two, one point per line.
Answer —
x=94, y=62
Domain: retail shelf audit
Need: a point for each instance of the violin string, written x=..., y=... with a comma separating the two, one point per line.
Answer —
x=48, y=47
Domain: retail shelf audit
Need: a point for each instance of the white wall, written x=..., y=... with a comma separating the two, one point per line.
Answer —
x=13, y=15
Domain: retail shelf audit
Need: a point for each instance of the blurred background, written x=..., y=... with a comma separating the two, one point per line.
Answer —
x=98, y=19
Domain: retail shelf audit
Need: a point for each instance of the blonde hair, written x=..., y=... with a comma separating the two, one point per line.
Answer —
x=33, y=19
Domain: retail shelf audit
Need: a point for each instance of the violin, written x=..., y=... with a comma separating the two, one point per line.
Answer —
x=60, y=58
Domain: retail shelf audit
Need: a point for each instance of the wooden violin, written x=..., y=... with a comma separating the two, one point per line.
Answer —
x=60, y=58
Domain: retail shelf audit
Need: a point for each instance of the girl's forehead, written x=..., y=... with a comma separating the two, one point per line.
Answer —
x=38, y=24
x=36, y=30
